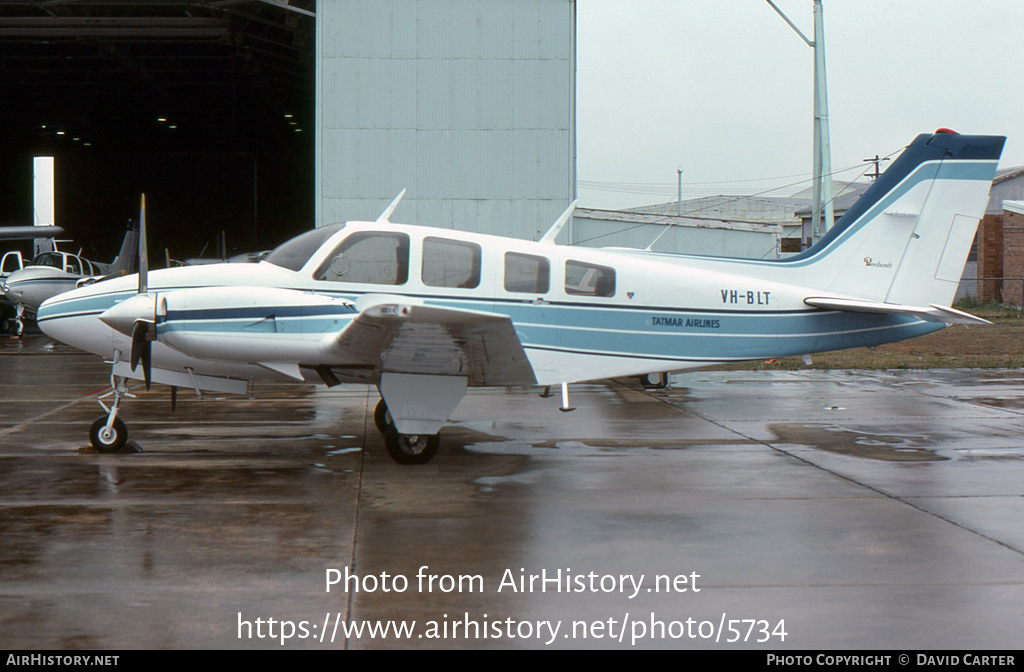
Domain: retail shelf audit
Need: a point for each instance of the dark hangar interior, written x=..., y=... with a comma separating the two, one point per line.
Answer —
x=206, y=106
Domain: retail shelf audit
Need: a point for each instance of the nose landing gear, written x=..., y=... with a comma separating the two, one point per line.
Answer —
x=108, y=433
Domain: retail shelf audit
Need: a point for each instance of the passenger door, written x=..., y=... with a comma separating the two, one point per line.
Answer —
x=10, y=263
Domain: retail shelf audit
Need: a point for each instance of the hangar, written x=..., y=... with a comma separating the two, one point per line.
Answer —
x=211, y=107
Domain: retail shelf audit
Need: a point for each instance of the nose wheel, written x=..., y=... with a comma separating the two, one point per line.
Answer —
x=108, y=439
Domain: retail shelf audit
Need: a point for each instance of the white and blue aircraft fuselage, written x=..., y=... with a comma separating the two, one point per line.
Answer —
x=424, y=313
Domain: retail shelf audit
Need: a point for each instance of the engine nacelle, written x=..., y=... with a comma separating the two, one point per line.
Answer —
x=249, y=324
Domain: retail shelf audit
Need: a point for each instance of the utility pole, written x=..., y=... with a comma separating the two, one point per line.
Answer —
x=679, y=194
x=823, y=209
x=877, y=161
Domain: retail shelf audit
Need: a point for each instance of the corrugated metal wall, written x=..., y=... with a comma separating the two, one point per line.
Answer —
x=468, y=104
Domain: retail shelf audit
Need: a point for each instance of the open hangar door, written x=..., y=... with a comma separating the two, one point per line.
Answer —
x=206, y=107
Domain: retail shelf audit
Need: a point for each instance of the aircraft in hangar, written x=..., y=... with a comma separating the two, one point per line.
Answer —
x=14, y=261
x=51, y=273
x=425, y=313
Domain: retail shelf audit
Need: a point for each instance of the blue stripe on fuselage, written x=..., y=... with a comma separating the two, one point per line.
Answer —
x=610, y=330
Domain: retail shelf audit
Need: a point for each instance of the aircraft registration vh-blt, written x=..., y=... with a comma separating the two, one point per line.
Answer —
x=423, y=313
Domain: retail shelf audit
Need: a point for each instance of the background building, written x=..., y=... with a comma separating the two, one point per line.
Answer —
x=468, y=105
x=995, y=279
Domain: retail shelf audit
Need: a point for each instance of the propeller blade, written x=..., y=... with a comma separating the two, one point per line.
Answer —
x=147, y=363
x=138, y=342
x=143, y=255
x=143, y=335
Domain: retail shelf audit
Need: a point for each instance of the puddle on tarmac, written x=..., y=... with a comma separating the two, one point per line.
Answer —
x=859, y=443
x=1012, y=403
x=480, y=442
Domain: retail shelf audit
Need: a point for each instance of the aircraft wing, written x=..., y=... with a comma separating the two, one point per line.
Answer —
x=932, y=312
x=29, y=232
x=400, y=335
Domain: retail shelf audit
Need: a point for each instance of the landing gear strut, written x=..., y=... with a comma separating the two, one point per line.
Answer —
x=108, y=433
x=404, y=448
x=18, y=328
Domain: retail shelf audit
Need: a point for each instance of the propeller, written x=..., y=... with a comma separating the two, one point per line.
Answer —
x=143, y=335
x=144, y=330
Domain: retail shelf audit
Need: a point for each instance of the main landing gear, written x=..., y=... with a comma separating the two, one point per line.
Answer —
x=404, y=448
x=654, y=381
x=108, y=433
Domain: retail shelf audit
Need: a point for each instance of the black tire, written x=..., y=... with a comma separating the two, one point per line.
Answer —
x=653, y=381
x=411, y=448
x=104, y=443
x=381, y=417
x=5, y=326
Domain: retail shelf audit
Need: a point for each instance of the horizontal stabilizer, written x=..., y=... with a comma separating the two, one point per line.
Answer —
x=933, y=312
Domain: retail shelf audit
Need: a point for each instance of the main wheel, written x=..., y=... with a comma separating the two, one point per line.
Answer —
x=381, y=417
x=105, y=441
x=654, y=381
x=411, y=448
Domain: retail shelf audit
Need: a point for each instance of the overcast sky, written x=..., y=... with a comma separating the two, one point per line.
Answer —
x=723, y=88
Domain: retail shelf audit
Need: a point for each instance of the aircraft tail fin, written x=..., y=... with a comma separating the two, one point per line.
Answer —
x=127, y=258
x=906, y=240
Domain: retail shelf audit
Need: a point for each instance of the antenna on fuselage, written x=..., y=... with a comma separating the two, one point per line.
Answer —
x=143, y=255
x=559, y=224
x=385, y=217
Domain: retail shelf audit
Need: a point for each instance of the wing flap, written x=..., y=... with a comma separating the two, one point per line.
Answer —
x=399, y=335
x=932, y=312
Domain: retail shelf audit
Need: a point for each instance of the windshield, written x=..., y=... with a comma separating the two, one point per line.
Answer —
x=52, y=259
x=294, y=254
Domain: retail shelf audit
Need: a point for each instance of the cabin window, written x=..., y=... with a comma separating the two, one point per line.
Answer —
x=72, y=265
x=450, y=263
x=526, y=273
x=370, y=257
x=589, y=279
x=294, y=254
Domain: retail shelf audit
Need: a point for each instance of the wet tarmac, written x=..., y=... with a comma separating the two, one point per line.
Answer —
x=863, y=510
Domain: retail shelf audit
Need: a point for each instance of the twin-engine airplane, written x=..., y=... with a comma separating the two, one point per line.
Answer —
x=52, y=273
x=424, y=313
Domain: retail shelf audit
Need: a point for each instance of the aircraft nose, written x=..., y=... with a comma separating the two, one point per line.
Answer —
x=122, y=317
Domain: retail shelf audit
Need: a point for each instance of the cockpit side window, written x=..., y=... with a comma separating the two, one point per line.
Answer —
x=294, y=253
x=370, y=257
x=451, y=263
x=72, y=266
x=526, y=273
x=589, y=279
